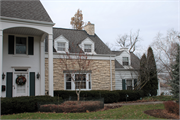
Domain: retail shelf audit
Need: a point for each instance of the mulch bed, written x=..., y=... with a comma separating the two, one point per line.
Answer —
x=161, y=113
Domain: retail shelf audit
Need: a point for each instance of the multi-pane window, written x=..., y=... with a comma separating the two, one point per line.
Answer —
x=21, y=45
x=60, y=46
x=129, y=84
x=83, y=79
x=68, y=81
x=80, y=79
x=125, y=61
x=87, y=47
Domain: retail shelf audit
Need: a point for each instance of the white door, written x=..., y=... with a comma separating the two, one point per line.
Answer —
x=20, y=90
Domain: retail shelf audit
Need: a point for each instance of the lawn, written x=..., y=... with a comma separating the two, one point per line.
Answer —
x=124, y=112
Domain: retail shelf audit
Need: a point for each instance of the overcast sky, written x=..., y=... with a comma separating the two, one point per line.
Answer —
x=117, y=17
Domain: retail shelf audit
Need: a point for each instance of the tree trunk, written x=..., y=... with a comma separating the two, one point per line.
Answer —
x=77, y=96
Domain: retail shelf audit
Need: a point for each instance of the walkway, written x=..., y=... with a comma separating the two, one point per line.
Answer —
x=138, y=103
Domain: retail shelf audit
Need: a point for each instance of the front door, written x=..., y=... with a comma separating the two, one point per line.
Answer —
x=19, y=86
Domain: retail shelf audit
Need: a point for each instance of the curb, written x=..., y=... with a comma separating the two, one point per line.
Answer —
x=140, y=103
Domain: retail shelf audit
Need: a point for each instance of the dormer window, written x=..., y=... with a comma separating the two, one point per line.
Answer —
x=61, y=46
x=87, y=48
x=125, y=61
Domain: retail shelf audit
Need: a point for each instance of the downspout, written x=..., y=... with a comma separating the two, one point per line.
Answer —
x=111, y=72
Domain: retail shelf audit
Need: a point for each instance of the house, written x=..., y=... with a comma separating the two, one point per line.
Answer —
x=30, y=49
x=102, y=74
x=23, y=28
x=127, y=65
x=163, y=86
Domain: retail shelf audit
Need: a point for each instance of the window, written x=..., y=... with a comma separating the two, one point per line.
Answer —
x=125, y=61
x=129, y=84
x=83, y=79
x=21, y=46
x=68, y=81
x=87, y=47
x=60, y=46
x=80, y=79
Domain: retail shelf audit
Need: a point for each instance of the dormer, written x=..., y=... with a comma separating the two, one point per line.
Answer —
x=61, y=44
x=88, y=46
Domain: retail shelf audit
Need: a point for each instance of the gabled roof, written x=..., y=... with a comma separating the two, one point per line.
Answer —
x=24, y=9
x=75, y=37
x=117, y=52
x=135, y=62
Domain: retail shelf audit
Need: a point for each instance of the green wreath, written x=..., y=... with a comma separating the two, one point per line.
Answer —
x=21, y=80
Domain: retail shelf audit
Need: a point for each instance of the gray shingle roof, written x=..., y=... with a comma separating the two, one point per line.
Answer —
x=135, y=61
x=75, y=37
x=118, y=65
x=24, y=9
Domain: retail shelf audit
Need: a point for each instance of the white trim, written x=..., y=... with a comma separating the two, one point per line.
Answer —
x=73, y=84
x=1, y=59
x=21, y=67
x=26, y=20
x=50, y=64
x=61, y=39
x=92, y=57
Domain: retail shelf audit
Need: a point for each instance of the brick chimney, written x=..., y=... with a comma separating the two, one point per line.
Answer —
x=89, y=28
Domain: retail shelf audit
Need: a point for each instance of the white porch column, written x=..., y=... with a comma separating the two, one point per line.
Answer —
x=50, y=62
x=42, y=68
x=1, y=59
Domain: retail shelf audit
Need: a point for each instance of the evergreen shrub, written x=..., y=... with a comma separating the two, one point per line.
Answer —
x=109, y=96
x=24, y=104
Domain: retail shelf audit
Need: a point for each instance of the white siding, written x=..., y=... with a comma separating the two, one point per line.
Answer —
x=119, y=75
x=33, y=61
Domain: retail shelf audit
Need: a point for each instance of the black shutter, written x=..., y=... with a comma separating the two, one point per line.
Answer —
x=32, y=83
x=30, y=45
x=9, y=78
x=11, y=44
x=123, y=84
x=135, y=83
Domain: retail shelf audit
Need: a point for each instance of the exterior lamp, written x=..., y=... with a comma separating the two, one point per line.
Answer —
x=3, y=76
x=38, y=75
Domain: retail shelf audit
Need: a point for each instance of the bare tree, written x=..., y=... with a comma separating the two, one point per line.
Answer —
x=129, y=41
x=76, y=66
x=165, y=50
x=77, y=20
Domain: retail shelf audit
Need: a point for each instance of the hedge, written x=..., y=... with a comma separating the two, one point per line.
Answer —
x=24, y=104
x=109, y=96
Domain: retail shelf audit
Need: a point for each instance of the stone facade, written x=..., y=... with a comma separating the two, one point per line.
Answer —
x=100, y=75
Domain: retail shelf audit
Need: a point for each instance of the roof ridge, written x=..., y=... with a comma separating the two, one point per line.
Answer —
x=67, y=29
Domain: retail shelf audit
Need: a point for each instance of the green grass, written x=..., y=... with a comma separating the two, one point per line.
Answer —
x=160, y=98
x=124, y=112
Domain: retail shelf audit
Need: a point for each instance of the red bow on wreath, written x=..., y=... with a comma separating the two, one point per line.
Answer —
x=21, y=80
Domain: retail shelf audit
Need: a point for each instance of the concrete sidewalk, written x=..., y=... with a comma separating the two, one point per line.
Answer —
x=138, y=103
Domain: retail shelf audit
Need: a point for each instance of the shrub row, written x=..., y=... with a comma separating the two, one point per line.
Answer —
x=24, y=104
x=109, y=96
x=72, y=106
x=172, y=107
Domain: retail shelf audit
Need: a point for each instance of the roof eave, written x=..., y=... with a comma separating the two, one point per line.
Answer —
x=26, y=20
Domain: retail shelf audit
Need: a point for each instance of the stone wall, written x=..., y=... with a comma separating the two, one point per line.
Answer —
x=100, y=76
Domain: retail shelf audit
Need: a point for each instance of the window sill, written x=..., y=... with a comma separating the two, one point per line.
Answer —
x=17, y=55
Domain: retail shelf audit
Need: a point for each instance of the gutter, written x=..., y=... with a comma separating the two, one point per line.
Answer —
x=111, y=72
x=26, y=20
x=103, y=55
